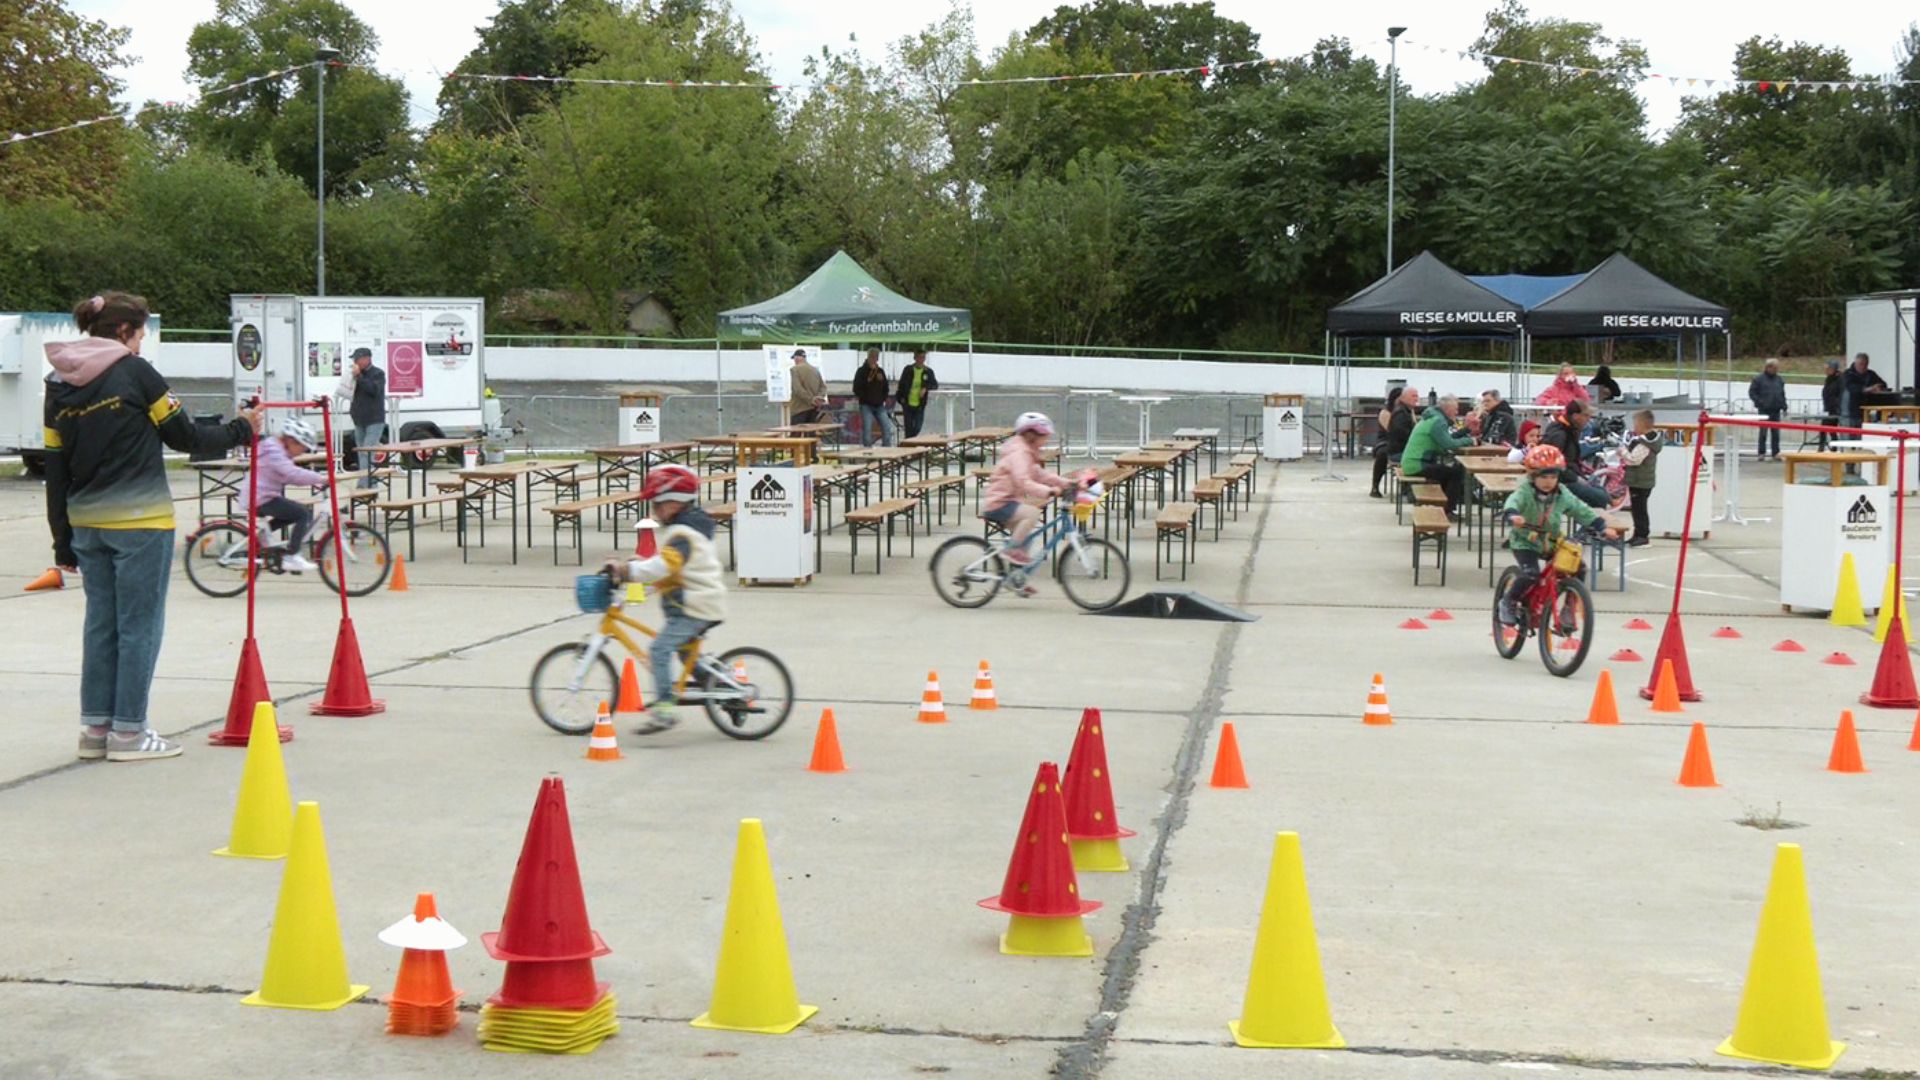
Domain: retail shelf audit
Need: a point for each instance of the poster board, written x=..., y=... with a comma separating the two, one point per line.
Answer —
x=779, y=374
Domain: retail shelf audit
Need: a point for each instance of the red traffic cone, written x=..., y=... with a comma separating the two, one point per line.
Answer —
x=1093, y=828
x=1789, y=645
x=249, y=689
x=347, y=691
x=1893, y=679
x=1673, y=646
x=1040, y=880
x=546, y=917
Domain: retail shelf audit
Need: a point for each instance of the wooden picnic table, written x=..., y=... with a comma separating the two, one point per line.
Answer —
x=635, y=459
x=508, y=477
x=1153, y=462
x=425, y=451
x=1189, y=450
x=1493, y=485
x=888, y=461
x=749, y=447
x=1836, y=461
x=1208, y=435
x=945, y=447
x=1890, y=414
x=818, y=430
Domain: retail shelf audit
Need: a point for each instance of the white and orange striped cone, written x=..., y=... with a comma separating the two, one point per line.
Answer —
x=603, y=746
x=1377, y=712
x=740, y=670
x=932, y=709
x=983, y=698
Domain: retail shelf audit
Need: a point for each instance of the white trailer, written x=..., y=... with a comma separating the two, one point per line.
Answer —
x=296, y=348
x=23, y=377
x=1881, y=325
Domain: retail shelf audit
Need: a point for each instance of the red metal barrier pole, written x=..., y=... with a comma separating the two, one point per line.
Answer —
x=1673, y=645
x=333, y=499
x=348, y=693
x=250, y=677
x=1893, y=686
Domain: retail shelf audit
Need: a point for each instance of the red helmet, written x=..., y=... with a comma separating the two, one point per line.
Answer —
x=1543, y=457
x=670, y=483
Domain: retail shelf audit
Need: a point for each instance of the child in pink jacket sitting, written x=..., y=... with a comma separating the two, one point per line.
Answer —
x=274, y=469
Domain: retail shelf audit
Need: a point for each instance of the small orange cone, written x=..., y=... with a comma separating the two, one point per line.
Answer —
x=1377, y=712
x=424, y=1001
x=1697, y=769
x=1666, y=692
x=932, y=709
x=52, y=579
x=740, y=671
x=398, y=583
x=1227, y=770
x=603, y=746
x=379, y=558
x=1914, y=743
x=1604, y=710
x=983, y=698
x=628, y=703
x=826, y=746
x=1846, y=747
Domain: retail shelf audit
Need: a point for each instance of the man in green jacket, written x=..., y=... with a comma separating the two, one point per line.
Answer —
x=1429, y=448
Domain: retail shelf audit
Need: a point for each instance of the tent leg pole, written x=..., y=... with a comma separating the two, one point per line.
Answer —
x=719, y=403
x=1731, y=454
x=973, y=419
x=1327, y=360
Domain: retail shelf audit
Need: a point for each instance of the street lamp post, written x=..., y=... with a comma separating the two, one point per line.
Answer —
x=325, y=55
x=1393, y=87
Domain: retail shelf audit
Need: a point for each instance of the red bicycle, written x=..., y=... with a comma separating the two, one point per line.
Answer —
x=1558, y=608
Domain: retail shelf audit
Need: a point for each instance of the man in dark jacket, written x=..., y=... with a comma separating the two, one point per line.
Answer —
x=1832, y=393
x=1859, y=381
x=875, y=393
x=1564, y=432
x=368, y=409
x=1768, y=392
x=1393, y=434
x=1497, y=425
x=916, y=384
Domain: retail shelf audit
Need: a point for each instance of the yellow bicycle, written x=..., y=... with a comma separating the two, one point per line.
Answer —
x=746, y=691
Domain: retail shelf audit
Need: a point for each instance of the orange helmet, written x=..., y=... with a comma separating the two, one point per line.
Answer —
x=1542, y=458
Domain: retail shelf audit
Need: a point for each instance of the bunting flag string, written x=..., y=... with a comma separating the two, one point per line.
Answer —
x=118, y=117
x=1763, y=86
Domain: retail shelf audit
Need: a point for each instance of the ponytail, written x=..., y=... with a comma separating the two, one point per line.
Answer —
x=114, y=315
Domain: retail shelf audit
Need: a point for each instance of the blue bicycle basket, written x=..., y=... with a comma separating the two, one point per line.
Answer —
x=593, y=592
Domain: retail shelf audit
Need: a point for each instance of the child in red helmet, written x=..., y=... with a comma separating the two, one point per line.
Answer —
x=686, y=570
x=1534, y=511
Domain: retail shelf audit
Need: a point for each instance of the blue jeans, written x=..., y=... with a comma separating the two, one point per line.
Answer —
x=675, y=633
x=876, y=417
x=124, y=573
x=367, y=435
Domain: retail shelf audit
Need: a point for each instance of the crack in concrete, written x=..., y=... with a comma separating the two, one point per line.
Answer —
x=1085, y=1058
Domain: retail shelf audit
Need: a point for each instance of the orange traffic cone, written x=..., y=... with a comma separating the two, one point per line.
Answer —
x=1377, y=712
x=740, y=671
x=52, y=579
x=932, y=709
x=1666, y=692
x=983, y=699
x=1604, y=710
x=628, y=703
x=1846, y=747
x=1227, y=770
x=398, y=583
x=424, y=1001
x=1914, y=743
x=603, y=746
x=1697, y=769
x=826, y=746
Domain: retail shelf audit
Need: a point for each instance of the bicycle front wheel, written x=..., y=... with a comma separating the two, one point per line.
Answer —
x=747, y=692
x=366, y=554
x=1508, y=640
x=966, y=571
x=568, y=687
x=1094, y=574
x=1568, y=632
x=216, y=559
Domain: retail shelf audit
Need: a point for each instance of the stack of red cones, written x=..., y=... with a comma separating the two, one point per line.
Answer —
x=1041, y=894
x=549, y=1002
x=424, y=1001
x=1093, y=829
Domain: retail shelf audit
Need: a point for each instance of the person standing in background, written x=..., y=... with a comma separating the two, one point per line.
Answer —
x=806, y=390
x=1859, y=381
x=368, y=409
x=916, y=383
x=1643, y=446
x=875, y=393
x=1832, y=393
x=1768, y=392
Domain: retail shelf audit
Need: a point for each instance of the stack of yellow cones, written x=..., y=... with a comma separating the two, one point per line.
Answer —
x=263, y=814
x=548, y=1031
x=753, y=984
x=1783, y=1012
x=306, y=962
x=1286, y=1003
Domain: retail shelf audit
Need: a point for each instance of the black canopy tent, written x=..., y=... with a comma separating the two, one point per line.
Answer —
x=1622, y=299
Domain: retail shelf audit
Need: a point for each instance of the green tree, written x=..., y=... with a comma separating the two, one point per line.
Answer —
x=1759, y=138
x=525, y=37
x=368, y=141
x=1527, y=89
x=1058, y=254
x=55, y=70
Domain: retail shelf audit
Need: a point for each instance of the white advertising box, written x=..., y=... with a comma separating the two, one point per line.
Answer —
x=639, y=419
x=1667, y=506
x=1283, y=427
x=773, y=527
x=1819, y=524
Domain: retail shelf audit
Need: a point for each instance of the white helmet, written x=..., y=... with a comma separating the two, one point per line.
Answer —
x=301, y=432
x=1033, y=421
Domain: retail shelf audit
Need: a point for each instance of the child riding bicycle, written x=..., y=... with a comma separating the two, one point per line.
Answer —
x=1533, y=510
x=274, y=469
x=1019, y=486
x=687, y=570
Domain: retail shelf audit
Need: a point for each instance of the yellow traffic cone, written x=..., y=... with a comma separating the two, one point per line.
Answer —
x=306, y=962
x=1783, y=1014
x=1286, y=1002
x=1890, y=599
x=1846, y=596
x=753, y=986
x=263, y=814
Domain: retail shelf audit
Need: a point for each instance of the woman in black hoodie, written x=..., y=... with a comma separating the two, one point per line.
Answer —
x=111, y=512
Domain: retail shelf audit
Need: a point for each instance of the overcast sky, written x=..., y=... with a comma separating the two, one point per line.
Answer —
x=421, y=38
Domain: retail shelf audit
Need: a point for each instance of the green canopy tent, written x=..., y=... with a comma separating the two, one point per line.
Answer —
x=841, y=302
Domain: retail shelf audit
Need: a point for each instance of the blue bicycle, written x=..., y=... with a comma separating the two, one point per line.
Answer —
x=968, y=571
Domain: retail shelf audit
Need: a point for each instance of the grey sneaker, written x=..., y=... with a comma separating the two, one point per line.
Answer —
x=93, y=747
x=140, y=746
x=1508, y=616
x=661, y=717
